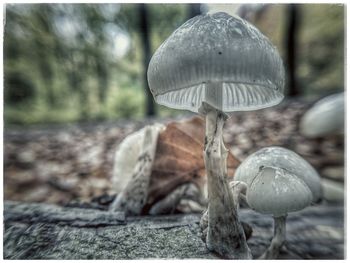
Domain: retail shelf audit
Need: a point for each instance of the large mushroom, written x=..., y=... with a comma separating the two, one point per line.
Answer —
x=212, y=64
x=278, y=181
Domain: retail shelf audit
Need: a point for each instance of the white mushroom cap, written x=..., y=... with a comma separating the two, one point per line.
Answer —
x=282, y=158
x=325, y=117
x=276, y=191
x=218, y=59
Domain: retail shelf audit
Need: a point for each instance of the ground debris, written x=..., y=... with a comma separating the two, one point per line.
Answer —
x=58, y=165
x=314, y=233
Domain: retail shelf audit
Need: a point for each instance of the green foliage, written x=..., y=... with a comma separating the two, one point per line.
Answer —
x=165, y=19
x=125, y=103
x=320, y=47
x=22, y=88
x=35, y=113
x=61, y=65
x=321, y=57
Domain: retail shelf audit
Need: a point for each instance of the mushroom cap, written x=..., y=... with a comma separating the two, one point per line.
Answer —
x=325, y=117
x=281, y=158
x=276, y=191
x=218, y=59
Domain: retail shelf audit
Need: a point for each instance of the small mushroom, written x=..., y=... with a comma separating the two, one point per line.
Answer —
x=278, y=182
x=325, y=117
x=215, y=64
x=278, y=192
x=275, y=156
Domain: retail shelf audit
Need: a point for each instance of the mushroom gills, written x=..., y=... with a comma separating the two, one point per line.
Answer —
x=233, y=97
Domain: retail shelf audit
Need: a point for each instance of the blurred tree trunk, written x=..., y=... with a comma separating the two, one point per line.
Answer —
x=75, y=81
x=75, y=77
x=291, y=42
x=83, y=87
x=102, y=76
x=47, y=75
x=144, y=32
x=43, y=47
x=194, y=10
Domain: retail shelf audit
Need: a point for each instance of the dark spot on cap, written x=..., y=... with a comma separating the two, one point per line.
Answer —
x=219, y=52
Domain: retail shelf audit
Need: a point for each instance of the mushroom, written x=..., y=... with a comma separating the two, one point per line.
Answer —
x=278, y=182
x=275, y=156
x=325, y=117
x=212, y=64
x=276, y=191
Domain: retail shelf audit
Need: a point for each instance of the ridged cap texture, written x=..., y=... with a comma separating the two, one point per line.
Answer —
x=218, y=59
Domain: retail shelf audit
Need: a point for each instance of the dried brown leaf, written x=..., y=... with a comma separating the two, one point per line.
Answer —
x=179, y=159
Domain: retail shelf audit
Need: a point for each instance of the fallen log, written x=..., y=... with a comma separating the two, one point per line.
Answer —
x=42, y=231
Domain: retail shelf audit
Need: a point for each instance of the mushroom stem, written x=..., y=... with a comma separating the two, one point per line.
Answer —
x=278, y=239
x=238, y=189
x=225, y=234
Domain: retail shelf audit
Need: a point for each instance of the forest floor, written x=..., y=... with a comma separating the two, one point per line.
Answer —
x=71, y=166
x=61, y=164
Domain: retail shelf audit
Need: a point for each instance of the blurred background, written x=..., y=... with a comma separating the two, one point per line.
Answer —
x=75, y=86
x=88, y=62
